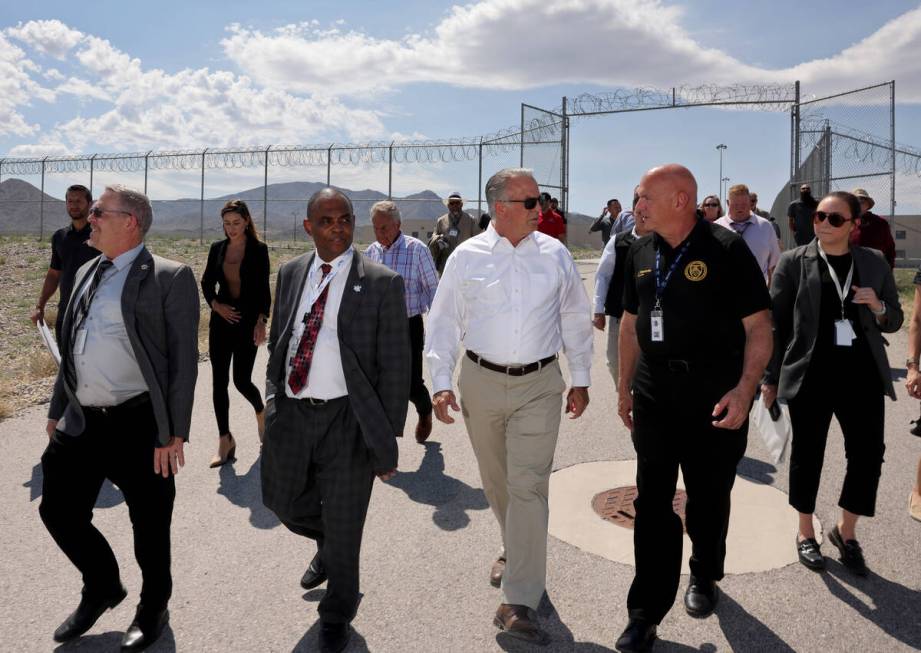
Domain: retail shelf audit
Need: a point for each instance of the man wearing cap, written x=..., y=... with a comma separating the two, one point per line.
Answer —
x=872, y=231
x=451, y=229
x=800, y=215
x=549, y=221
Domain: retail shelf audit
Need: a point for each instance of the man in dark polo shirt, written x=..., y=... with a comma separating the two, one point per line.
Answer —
x=695, y=337
x=69, y=250
x=799, y=213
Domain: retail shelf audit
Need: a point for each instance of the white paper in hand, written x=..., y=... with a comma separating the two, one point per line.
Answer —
x=775, y=434
x=50, y=342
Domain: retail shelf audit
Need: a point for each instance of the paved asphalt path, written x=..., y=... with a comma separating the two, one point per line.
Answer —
x=429, y=543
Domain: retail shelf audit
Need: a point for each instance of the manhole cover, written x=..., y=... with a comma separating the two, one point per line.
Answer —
x=616, y=506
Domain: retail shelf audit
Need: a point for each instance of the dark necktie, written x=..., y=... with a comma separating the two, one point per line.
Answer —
x=740, y=227
x=81, y=310
x=300, y=366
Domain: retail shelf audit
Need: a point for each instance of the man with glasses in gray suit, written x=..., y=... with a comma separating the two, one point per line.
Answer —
x=121, y=410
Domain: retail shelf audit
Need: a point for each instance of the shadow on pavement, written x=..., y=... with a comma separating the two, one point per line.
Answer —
x=452, y=498
x=756, y=470
x=562, y=639
x=111, y=641
x=109, y=495
x=744, y=632
x=246, y=491
x=310, y=641
x=891, y=606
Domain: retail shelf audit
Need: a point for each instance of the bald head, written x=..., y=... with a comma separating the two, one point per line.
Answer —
x=668, y=199
x=327, y=194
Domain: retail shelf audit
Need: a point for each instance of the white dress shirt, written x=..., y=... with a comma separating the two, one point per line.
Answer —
x=107, y=370
x=605, y=272
x=760, y=237
x=510, y=305
x=326, y=379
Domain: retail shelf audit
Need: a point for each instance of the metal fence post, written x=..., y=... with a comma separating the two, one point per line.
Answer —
x=479, y=182
x=828, y=154
x=390, y=172
x=892, y=141
x=146, y=164
x=796, y=132
x=521, y=138
x=201, y=205
x=265, y=196
x=1, y=170
x=329, y=163
x=92, y=165
x=564, y=160
x=41, y=205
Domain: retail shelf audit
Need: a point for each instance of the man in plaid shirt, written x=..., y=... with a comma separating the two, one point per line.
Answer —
x=410, y=258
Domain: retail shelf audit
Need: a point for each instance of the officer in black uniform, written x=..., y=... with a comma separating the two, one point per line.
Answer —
x=695, y=338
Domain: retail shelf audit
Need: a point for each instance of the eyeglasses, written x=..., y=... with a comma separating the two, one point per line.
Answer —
x=711, y=205
x=529, y=202
x=834, y=219
x=97, y=213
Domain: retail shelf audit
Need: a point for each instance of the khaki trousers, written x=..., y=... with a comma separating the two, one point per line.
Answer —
x=513, y=423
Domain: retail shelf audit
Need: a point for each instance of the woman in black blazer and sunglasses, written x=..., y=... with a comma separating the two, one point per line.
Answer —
x=238, y=267
x=831, y=304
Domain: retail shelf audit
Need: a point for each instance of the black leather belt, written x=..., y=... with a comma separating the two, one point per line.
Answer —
x=134, y=402
x=517, y=370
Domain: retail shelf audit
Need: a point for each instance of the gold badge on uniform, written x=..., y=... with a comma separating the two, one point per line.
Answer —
x=643, y=273
x=695, y=271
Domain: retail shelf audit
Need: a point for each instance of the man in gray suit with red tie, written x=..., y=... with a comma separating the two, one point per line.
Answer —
x=121, y=410
x=337, y=387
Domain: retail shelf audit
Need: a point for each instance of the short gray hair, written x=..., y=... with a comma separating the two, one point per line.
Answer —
x=137, y=203
x=495, y=187
x=388, y=207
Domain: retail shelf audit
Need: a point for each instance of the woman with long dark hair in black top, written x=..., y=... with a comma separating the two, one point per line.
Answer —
x=236, y=286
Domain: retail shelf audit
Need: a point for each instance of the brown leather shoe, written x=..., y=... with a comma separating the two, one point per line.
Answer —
x=424, y=428
x=520, y=621
x=495, y=574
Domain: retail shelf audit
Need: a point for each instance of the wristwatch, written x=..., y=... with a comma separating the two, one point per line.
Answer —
x=881, y=311
x=910, y=362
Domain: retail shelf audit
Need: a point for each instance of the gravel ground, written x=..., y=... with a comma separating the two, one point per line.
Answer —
x=429, y=542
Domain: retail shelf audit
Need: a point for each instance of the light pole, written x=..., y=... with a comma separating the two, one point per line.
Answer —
x=721, y=147
x=724, y=181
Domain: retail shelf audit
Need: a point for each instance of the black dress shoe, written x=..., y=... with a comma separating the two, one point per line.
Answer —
x=809, y=554
x=334, y=637
x=701, y=597
x=637, y=637
x=315, y=574
x=851, y=553
x=145, y=629
x=86, y=614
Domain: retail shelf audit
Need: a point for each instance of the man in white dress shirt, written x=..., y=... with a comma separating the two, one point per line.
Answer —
x=514, y=298
x=757, y=232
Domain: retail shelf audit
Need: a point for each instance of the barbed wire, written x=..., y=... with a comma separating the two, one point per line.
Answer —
x=860, y=146
x=538, y=129
x=758, y=97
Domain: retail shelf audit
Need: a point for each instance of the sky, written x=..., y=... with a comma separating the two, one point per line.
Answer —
x=125, y=77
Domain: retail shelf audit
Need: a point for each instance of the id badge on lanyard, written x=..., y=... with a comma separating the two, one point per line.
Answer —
x=657, y=325
x=844, y=329
x=656, y=317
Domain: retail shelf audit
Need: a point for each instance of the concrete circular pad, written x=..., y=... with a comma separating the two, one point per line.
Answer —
x=762, y=525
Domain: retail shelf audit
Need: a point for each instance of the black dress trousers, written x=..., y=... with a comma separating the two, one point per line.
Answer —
x=118, y=445
x=672, y=407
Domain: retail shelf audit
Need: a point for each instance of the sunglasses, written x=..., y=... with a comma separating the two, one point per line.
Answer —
x=711, y=205
x=834, y=219
x=97, y=213
x=529, y=202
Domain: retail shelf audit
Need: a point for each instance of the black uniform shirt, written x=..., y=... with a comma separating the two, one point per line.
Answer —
x=69, y=250
x=715, y=285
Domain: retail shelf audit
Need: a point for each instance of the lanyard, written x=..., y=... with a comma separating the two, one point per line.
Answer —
x=316, y=292
x=842, y=290
x=662, y=283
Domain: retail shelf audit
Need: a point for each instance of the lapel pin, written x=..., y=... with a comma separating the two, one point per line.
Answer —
x=144, y=266
x=357, y=287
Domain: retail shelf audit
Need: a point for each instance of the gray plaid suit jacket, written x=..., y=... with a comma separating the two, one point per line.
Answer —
x=160, y=307
x=373, y=343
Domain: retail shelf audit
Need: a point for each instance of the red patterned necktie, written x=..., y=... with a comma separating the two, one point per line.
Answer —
x=300, y=366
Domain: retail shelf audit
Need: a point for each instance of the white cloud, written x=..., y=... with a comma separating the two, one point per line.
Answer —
x=496, y=44
x=48, y=37
x=17, y=89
